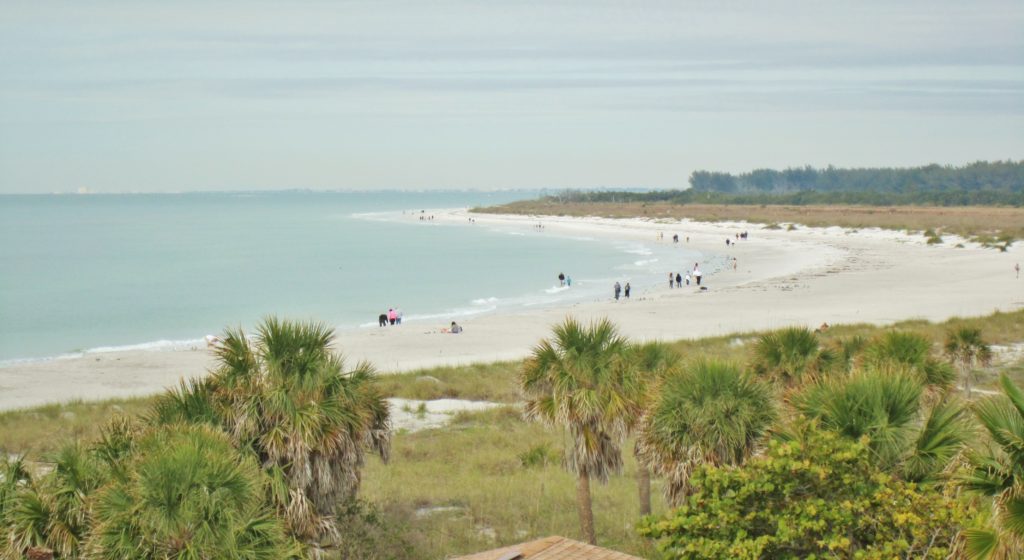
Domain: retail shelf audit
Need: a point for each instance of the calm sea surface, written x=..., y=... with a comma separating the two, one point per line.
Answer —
x=81, y=273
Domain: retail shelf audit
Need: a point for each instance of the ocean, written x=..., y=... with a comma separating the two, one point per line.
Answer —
x=81, y=273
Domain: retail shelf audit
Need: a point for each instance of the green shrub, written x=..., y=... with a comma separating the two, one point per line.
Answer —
x=365, y=533
x=817, y=496
x=540, y=455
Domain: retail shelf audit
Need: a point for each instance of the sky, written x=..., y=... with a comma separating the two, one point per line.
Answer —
x=148, y=96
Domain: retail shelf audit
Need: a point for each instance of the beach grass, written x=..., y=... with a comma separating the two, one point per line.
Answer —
x=39, y=430
x=491, y=478
x=36, y=432
x=495, y=382
x=989, y=225
x=466, y=488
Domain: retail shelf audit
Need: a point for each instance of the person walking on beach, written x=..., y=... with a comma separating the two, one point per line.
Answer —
x=398, y=316
x=670, y=279
x=626, y=291
x=618, y=289
x=568, y=281
x=696, y=275
x=561, y=279
x=679, y=280
x=687, y=278
x=392, y=316
x=382, y=319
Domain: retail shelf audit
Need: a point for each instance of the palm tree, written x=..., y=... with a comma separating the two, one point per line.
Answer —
x=912, y=352
x=289, y=398
x=654, y=360
x=582, y=380
x=14, y=479
x=189, y=493
x=51, y=513
x=966, y=348
x=887, y=406
x=998, y=473
x=710, y=413
x=790, y=355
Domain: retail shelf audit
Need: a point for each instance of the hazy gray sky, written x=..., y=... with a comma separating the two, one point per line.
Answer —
x=166, y=96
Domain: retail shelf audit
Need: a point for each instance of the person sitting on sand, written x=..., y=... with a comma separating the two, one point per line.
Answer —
x=455, y=329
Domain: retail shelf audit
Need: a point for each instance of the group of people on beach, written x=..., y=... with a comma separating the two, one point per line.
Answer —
x=392, y=317
x=675, y=237
x=728, y=241
x=563, y=280
x=675, y=280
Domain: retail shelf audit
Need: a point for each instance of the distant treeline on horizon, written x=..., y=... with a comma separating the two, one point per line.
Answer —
x=980, y=183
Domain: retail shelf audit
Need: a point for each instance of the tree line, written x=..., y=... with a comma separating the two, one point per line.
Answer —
x=998, y=183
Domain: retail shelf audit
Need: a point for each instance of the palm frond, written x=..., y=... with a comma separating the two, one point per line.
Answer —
x=790, y=355
x=711, y=412
x=879, y=403
x=942, y=437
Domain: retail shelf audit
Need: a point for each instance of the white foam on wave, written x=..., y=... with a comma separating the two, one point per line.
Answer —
x=374, y=216
x=640, y=250
x=449, y=314
x=20, y=361
x=155, y=346
x=556, y=289
x=485, y=301
x=644, y=262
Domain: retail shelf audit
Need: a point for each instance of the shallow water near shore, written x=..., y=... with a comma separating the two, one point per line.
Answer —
x=109, y=272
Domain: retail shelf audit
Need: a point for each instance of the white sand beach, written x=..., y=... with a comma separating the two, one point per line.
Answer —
x=802, y=277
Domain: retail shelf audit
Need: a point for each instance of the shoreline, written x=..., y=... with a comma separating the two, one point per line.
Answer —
x=802, y=277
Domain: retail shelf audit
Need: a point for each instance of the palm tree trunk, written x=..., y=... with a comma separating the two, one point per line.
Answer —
x=586, y=510
x=643, y=480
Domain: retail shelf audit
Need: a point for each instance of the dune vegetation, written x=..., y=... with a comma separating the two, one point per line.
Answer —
x=989, y=225
x=837, y=440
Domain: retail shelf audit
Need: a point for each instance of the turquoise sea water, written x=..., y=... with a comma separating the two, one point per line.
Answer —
x=101, y=271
